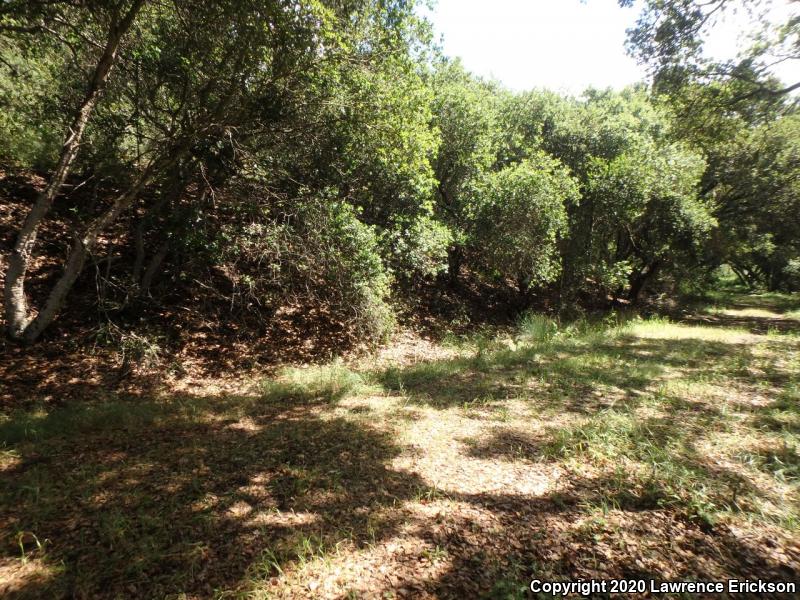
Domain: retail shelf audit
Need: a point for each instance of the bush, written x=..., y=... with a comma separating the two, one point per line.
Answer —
x=30, y=128
x=791, y=273
x=418, y=247
x=521, y=215
x=343, y=260
x=319, y=253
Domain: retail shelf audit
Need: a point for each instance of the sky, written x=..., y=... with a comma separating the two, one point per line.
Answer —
x=563, y=45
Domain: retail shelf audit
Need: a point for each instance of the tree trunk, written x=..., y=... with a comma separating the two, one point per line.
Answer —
x=143, y=277
x=524, y=288
x=454, y=259
x=16, y=309
x=740, y=275
x=775, y=278
x=81, y=248
x=640, y=279
x=150, y=215
x=153, y=267
x=138, y=263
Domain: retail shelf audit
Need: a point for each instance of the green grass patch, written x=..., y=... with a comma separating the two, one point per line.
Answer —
x=328, y=383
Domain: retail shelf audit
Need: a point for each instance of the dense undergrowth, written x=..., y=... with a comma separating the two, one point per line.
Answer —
x=248, y=171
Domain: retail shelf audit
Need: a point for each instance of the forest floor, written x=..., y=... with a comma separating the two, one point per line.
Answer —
x=635, y=449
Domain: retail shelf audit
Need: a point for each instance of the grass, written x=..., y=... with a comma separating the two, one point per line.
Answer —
x=328, y=383
x=610, y=448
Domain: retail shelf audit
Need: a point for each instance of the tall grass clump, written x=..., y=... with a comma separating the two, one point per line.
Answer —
x=537, y=328
x=328, y=383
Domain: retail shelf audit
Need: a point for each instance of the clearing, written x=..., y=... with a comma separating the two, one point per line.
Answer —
x=639, y=448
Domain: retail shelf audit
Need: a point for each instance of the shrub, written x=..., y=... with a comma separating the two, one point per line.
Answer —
x=343, y=259
x=418, y=247
x=320, y=252
x=521, y=215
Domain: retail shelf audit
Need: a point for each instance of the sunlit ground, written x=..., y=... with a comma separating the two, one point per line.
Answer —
x=632, y=449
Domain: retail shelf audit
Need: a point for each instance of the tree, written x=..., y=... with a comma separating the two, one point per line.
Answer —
x=38, y=16
x=520, y=216
x=201, y=86
x=669, y=37
x=757, y=202
x=638, y=212
x=737, y=114
x=465, y=113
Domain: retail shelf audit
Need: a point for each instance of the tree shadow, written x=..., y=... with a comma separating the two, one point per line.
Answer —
x=782, y=415
x=668, y=531
x=204, y=495
x=756, y=325
x=500, y=542
x=667, y=444
x=189, y=495
x=509, y=445
x=776, y=303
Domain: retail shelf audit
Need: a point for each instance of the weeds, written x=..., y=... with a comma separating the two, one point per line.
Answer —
x=536, y=329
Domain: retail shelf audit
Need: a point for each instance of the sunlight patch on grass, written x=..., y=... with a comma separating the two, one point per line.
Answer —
x=27, y=571
x=756, y=313
x=422, y=374
x=659, y=329
x=702, y=392
x=779, y=302
x=9, y=459
x=648, y=463
x=300, y=557
x=536, y=329
x=682, y=446
x=328, y=383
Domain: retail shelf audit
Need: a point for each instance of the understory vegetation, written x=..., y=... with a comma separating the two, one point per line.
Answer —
x=245, y=160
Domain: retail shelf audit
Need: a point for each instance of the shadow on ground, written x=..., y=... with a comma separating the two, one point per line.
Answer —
x=185, y=499
x=203, y=496
x=738, y=305
x=567, y=375
x=155, y=499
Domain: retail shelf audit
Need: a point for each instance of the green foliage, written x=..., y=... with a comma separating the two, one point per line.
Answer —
x=738, y=114
x=30, y=130
x=670, y=36
x=346, y=264
x=757, y=194
x=385, y=140
x=465, y=116
x=536, y=328
x=520, y=215
x=639, y=211
x=322, y=253
x=328, y=383
x=327, y=151
x=418, y=248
